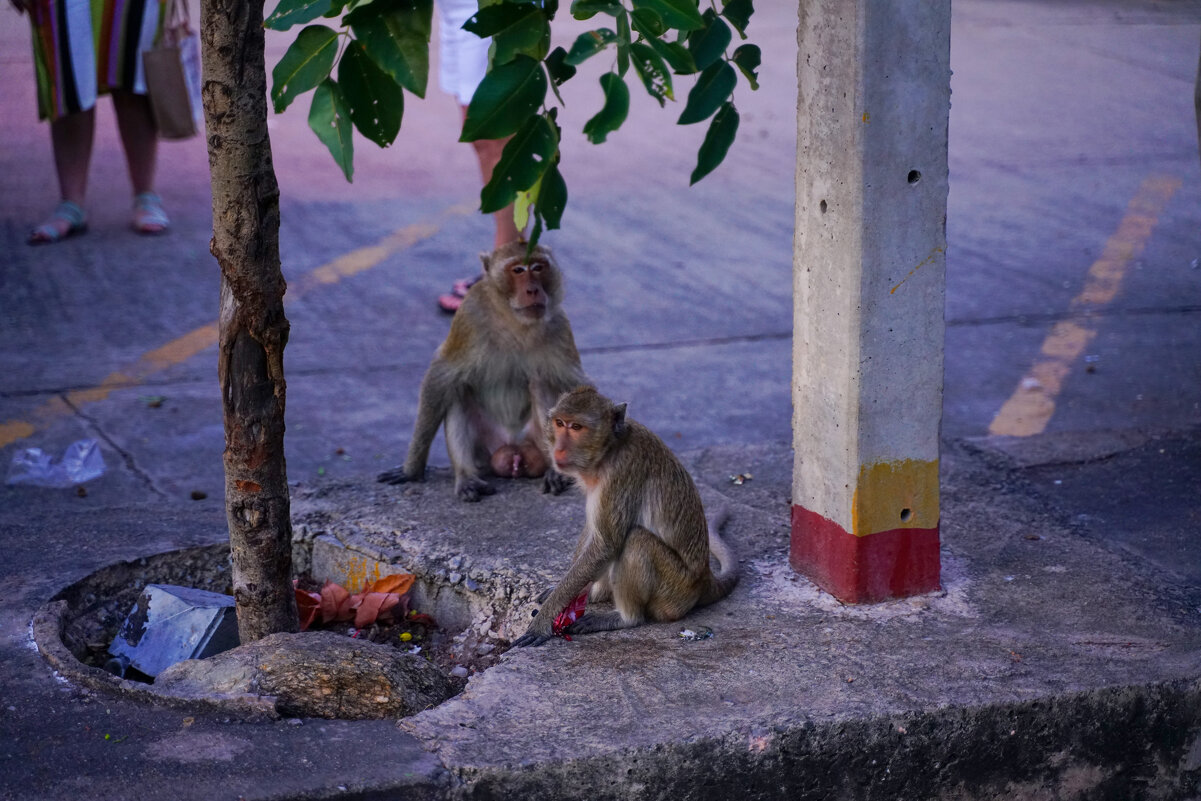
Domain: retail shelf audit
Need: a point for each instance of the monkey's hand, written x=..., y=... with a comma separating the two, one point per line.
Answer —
x=398, y=475
x=538, y=633
x=556, y=483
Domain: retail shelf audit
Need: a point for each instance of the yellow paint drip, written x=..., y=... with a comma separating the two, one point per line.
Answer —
x=360, y=571
x=1029, y=409
x=934, y=254
x=892, y=495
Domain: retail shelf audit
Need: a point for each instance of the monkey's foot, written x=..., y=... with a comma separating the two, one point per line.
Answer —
x=396, y=475
x=472, y=489
x=594, y=621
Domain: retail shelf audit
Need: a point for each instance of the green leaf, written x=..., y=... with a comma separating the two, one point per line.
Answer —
x=559, y=71
x=653, y=72
x=648, y=23
x=623, y=43
x=712, y=88
x=514, y=27
x=396, y=34
x=679, y=14
x=306, y=63
x=552, y=196
x=589, y=44
x=709, y=44
x=613, y=113
x=586, y=9
x=376, y=102
x=505, y=100
x=559, y=68
x=523, y=161
x=535, y=235
x=676, y=55
x=336, y=7
x=329, y=118
x=738, y=12
x=492, y=19
x=294, y=12
x=521, y=207
x=747, y=57
x=717, y=142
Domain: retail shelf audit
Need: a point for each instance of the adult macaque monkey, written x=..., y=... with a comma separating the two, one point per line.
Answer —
x=507, y=358
x=645, y=542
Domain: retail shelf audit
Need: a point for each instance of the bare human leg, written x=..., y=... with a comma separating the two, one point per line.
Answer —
x=71, y=139
x=139, y=139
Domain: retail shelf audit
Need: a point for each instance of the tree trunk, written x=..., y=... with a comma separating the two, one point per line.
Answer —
x=253, y=327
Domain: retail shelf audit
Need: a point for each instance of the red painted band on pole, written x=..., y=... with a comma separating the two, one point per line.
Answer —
x=888, y=564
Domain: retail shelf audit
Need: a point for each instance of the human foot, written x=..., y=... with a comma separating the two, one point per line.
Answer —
x=66, y=220
x=148, y=214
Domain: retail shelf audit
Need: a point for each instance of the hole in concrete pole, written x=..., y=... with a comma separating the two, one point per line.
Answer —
x=914, y=176
x=906, y=514
x=822, y=206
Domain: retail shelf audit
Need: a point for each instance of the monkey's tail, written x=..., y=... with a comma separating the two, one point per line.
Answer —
x=724, y=580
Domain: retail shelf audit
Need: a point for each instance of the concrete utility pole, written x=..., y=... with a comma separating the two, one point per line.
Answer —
x=868, y=282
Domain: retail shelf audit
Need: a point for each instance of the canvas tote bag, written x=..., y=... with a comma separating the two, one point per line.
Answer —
x=172, y=70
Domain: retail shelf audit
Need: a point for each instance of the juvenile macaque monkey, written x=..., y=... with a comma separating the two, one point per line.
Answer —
x=507, y=358
x=645, y=542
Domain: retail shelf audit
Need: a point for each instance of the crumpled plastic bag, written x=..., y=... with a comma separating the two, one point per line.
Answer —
x=573, y=612
x=80, y=462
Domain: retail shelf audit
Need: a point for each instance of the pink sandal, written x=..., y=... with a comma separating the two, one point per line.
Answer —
x=451, y=303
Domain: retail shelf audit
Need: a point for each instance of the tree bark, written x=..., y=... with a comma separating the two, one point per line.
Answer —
x=253, y=328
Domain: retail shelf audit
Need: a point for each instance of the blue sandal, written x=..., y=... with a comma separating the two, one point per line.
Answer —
x=66, y=220
x=149, y=217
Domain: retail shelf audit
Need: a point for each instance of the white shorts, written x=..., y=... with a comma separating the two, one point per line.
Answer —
x=463, y=56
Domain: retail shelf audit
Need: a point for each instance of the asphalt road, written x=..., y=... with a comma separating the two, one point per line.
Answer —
x=1071, y=226
x=1073, y=285
x=1073, y=293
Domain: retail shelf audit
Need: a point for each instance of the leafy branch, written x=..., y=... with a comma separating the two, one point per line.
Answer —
x=382, y=50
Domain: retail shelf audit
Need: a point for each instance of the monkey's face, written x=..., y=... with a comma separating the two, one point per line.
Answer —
x=572, y=443
x=582, y=425
x=527, y=291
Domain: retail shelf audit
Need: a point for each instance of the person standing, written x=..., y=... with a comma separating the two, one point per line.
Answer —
x=463, y=60
x=83, y=49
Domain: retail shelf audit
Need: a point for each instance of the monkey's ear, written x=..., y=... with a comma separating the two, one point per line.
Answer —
x=619, y=419
x=486, y=259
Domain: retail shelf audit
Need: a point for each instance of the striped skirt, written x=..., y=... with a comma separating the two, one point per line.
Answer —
x=84, y=48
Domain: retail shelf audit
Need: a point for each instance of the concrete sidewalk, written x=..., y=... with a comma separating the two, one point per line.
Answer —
x=1062, y=659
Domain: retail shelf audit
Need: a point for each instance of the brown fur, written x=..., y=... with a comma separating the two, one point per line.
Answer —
x=645, y=542
x=509, y=354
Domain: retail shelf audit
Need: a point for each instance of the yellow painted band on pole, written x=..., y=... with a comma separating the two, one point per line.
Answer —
x=895, y=495
x=200, y=339
x=1029, y=409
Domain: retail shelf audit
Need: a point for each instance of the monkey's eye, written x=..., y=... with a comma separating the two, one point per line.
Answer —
x=518, y=270
x=536, y=267
x=558, y=423
x=576, y=427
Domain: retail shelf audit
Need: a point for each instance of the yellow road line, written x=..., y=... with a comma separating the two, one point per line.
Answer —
x=200, y=339
x=1030, y=407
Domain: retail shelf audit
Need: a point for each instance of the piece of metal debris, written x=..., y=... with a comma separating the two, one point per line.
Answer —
x=699, y=633
x=169, y=624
